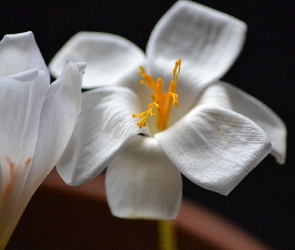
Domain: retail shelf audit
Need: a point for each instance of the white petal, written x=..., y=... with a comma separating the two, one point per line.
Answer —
x=19, y=53
x=20, y=110
x=14, y=177
x=104, y=125
x=141, y=182
x=207, y=41
x=110, y=59
x=217, y=96
x=215, y=148
x=273, y=126
x=58, y=119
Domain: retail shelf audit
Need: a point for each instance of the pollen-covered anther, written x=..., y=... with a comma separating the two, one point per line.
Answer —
x=174, y=98
x=144, y=115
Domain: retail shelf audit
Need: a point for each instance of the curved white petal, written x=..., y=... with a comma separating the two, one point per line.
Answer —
x=20, y=107
x=58, y=119
x=19, y=53
x=20, y=110
x=104, y=125
x=207, y=41
x=273, y=126
x=141, y=182
x=215, y=95
x=110, y=59
x=215, y=148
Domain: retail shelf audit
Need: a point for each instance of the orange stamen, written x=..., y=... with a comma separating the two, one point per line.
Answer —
x=161, y=102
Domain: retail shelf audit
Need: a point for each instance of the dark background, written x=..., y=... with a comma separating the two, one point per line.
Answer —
x=264, y=202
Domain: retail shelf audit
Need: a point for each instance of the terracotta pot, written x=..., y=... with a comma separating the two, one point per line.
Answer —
x=63, y=217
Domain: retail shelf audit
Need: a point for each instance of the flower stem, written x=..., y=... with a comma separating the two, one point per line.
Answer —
x=167, y=235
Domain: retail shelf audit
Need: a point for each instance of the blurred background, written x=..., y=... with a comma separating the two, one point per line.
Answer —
x=264, y=202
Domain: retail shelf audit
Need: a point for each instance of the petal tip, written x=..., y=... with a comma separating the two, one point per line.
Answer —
x=18, y=35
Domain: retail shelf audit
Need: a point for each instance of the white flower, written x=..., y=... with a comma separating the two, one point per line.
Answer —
x=215, y=136
x=37, y=120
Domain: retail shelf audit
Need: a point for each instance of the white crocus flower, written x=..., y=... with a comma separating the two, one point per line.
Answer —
x=215, y=136
x=37, y=121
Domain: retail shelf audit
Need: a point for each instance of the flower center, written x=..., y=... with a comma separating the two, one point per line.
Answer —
x=162, y=102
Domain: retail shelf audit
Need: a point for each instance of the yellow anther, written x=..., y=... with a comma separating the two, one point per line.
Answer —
x=161, y=102
x=144, y=115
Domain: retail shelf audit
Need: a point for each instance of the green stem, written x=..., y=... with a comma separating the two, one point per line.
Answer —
x=167, y=235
